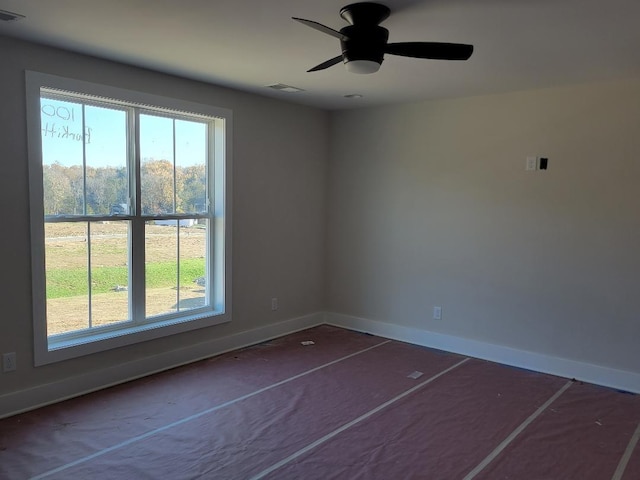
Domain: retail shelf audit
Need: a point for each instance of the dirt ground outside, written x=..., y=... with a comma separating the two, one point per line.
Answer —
x=66, y=248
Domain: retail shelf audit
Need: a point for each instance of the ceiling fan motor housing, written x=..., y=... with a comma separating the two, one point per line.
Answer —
x=364, y=43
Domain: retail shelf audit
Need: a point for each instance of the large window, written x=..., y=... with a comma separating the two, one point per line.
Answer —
x=129, y=216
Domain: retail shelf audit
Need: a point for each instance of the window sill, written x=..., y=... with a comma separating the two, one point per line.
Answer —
x=64, y=349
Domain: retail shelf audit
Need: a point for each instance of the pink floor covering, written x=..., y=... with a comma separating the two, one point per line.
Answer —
x=350, y=406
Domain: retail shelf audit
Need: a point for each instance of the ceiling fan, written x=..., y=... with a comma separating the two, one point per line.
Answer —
x=364, y=41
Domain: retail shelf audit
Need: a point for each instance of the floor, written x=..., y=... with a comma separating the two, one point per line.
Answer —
x=347, y=406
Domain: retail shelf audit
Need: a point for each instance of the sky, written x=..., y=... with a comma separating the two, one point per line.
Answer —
x=106, y=132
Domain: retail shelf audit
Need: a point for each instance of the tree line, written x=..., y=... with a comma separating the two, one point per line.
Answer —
x=65, y=188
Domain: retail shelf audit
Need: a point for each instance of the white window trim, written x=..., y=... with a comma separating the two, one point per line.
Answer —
x=44, y=352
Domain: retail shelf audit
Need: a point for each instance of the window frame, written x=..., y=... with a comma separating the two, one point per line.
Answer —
x=62, y=347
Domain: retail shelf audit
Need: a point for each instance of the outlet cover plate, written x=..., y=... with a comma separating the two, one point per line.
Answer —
x=8, y=362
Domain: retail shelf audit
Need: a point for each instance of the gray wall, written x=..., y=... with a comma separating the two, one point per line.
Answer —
x=430, y=204
x=279, y=185
x=383, y=213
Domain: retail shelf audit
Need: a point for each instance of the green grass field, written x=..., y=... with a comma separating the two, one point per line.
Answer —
x=71, y=282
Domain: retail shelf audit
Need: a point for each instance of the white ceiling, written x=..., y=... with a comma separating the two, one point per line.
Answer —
x=248, y=44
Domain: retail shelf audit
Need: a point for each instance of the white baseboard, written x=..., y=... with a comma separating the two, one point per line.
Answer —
x=41, y=395
x=562, y=367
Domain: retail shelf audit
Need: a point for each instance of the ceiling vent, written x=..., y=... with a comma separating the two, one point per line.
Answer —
x=9, y=16
x=285, y=88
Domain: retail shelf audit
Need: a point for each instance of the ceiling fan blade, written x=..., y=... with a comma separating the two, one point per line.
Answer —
x=431, y=50
x=321, y=28
x=327, y=64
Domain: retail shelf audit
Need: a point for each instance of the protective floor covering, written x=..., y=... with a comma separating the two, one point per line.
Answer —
x=350, y=406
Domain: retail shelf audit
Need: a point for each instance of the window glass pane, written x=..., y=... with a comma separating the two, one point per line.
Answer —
x=109, y=272
x=161, y=267
x=157, y=167
x=191, y=160
x=106, y=160
x=193, y=256
x=66, y=277
x=62, y=157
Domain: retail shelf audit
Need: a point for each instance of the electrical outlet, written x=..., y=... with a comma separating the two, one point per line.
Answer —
x=274, y=303
x=532, y=163
x=9, y=362
x=437, y=313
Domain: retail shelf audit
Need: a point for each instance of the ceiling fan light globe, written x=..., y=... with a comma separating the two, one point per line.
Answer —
x=362, y=66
